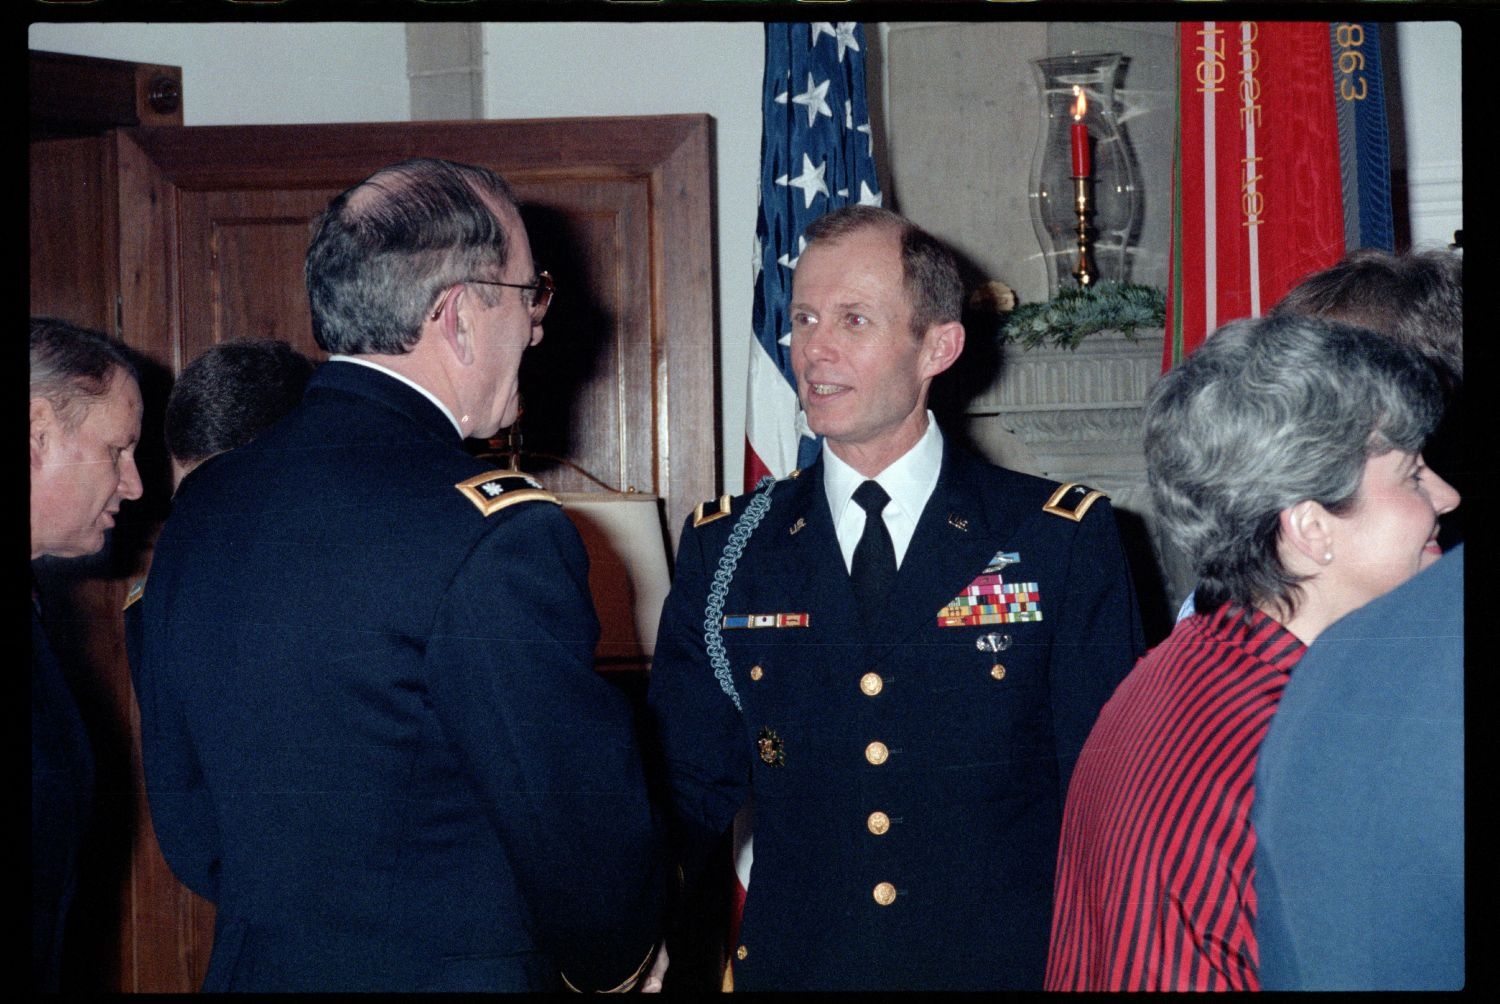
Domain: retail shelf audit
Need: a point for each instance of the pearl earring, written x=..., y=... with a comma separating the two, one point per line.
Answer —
x=1327, y=557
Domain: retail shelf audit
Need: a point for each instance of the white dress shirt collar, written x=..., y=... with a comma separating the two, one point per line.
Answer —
x=909, y=482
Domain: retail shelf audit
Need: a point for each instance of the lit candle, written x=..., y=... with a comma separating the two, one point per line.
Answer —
x=1080, y=134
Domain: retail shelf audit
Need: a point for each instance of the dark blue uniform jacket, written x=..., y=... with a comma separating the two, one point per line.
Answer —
x=62, y=795
x=372, y=730
x=925, y=860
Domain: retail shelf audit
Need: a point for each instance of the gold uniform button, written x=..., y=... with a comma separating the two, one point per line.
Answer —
x=885, y=894
x=878, y=823
x=997, y=671
x=756, y=672
x=876, y=753
x=741, y=952
x=871, y=684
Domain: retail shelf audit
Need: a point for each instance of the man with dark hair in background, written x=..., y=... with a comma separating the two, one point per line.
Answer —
x=85, y=419
x=896, y=654
x=229, y=395
x=372, y=729
x=1415, y=299
x=223, y=399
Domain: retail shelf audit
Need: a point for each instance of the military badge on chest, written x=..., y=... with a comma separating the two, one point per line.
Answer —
x=993, y=644
x=769, y=745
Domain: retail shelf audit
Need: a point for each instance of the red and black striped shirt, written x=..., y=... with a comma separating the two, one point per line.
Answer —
x=1154, y=874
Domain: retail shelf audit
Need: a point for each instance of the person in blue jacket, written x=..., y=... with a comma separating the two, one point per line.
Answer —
x=1359, y=802
x=372, y=730
x=902, y=696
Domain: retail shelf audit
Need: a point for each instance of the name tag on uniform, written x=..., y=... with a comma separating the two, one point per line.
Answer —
x=765, y=620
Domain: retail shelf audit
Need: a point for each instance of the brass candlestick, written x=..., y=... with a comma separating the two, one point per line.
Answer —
x=1083, y=267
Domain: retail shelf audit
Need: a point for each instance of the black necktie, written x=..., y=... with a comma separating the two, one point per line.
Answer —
x=874, y=566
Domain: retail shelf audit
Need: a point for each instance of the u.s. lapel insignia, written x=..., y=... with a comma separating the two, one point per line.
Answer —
x=958, y=522
x=797, y=526
x=772, y=753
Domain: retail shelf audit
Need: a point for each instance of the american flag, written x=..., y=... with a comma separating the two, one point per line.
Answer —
x=816, y=154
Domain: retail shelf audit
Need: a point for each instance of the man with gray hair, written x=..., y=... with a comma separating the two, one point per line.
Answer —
x=372, y=728
x=85, y=419
x=229, y=395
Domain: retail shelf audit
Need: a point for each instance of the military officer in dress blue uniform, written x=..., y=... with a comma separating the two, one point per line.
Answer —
x=372, y=730
x=902, y=695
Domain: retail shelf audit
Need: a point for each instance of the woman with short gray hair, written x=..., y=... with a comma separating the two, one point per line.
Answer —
x=1285, y=461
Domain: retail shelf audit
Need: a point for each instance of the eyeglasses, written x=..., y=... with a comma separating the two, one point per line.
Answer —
x=541, y=293
x=538, y=302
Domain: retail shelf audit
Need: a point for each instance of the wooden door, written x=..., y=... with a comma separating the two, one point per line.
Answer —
x=618, y=210
x=180, y=238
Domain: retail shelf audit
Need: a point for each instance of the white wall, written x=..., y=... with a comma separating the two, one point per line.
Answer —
x=1431, y=97
x=540, y=69
x=259, y=74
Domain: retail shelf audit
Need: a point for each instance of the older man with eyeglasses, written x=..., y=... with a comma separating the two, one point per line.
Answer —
x=372, y=730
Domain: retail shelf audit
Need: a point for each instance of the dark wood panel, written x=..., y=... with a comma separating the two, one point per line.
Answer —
x=242, y=255
x=82, y=95
x=588, y=385
x=71, y=231
x=309, y=156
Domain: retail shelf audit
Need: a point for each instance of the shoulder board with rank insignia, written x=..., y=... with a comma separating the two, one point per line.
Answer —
x=702, y=514
x=137, y=590
x=1072, y=500
x=495, y=490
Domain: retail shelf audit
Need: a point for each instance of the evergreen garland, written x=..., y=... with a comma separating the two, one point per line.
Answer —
x=1075, y=313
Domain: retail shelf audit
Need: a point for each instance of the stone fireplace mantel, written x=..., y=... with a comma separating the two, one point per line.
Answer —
x=1076, y=415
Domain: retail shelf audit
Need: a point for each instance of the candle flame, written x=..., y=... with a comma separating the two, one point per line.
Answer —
x=1080, y=105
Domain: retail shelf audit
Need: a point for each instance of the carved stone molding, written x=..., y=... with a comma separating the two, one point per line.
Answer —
x=1105, y=370
x=1078, y=411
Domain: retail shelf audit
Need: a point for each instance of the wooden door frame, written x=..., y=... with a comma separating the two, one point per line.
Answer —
x=669, y=153
x=133, y=178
